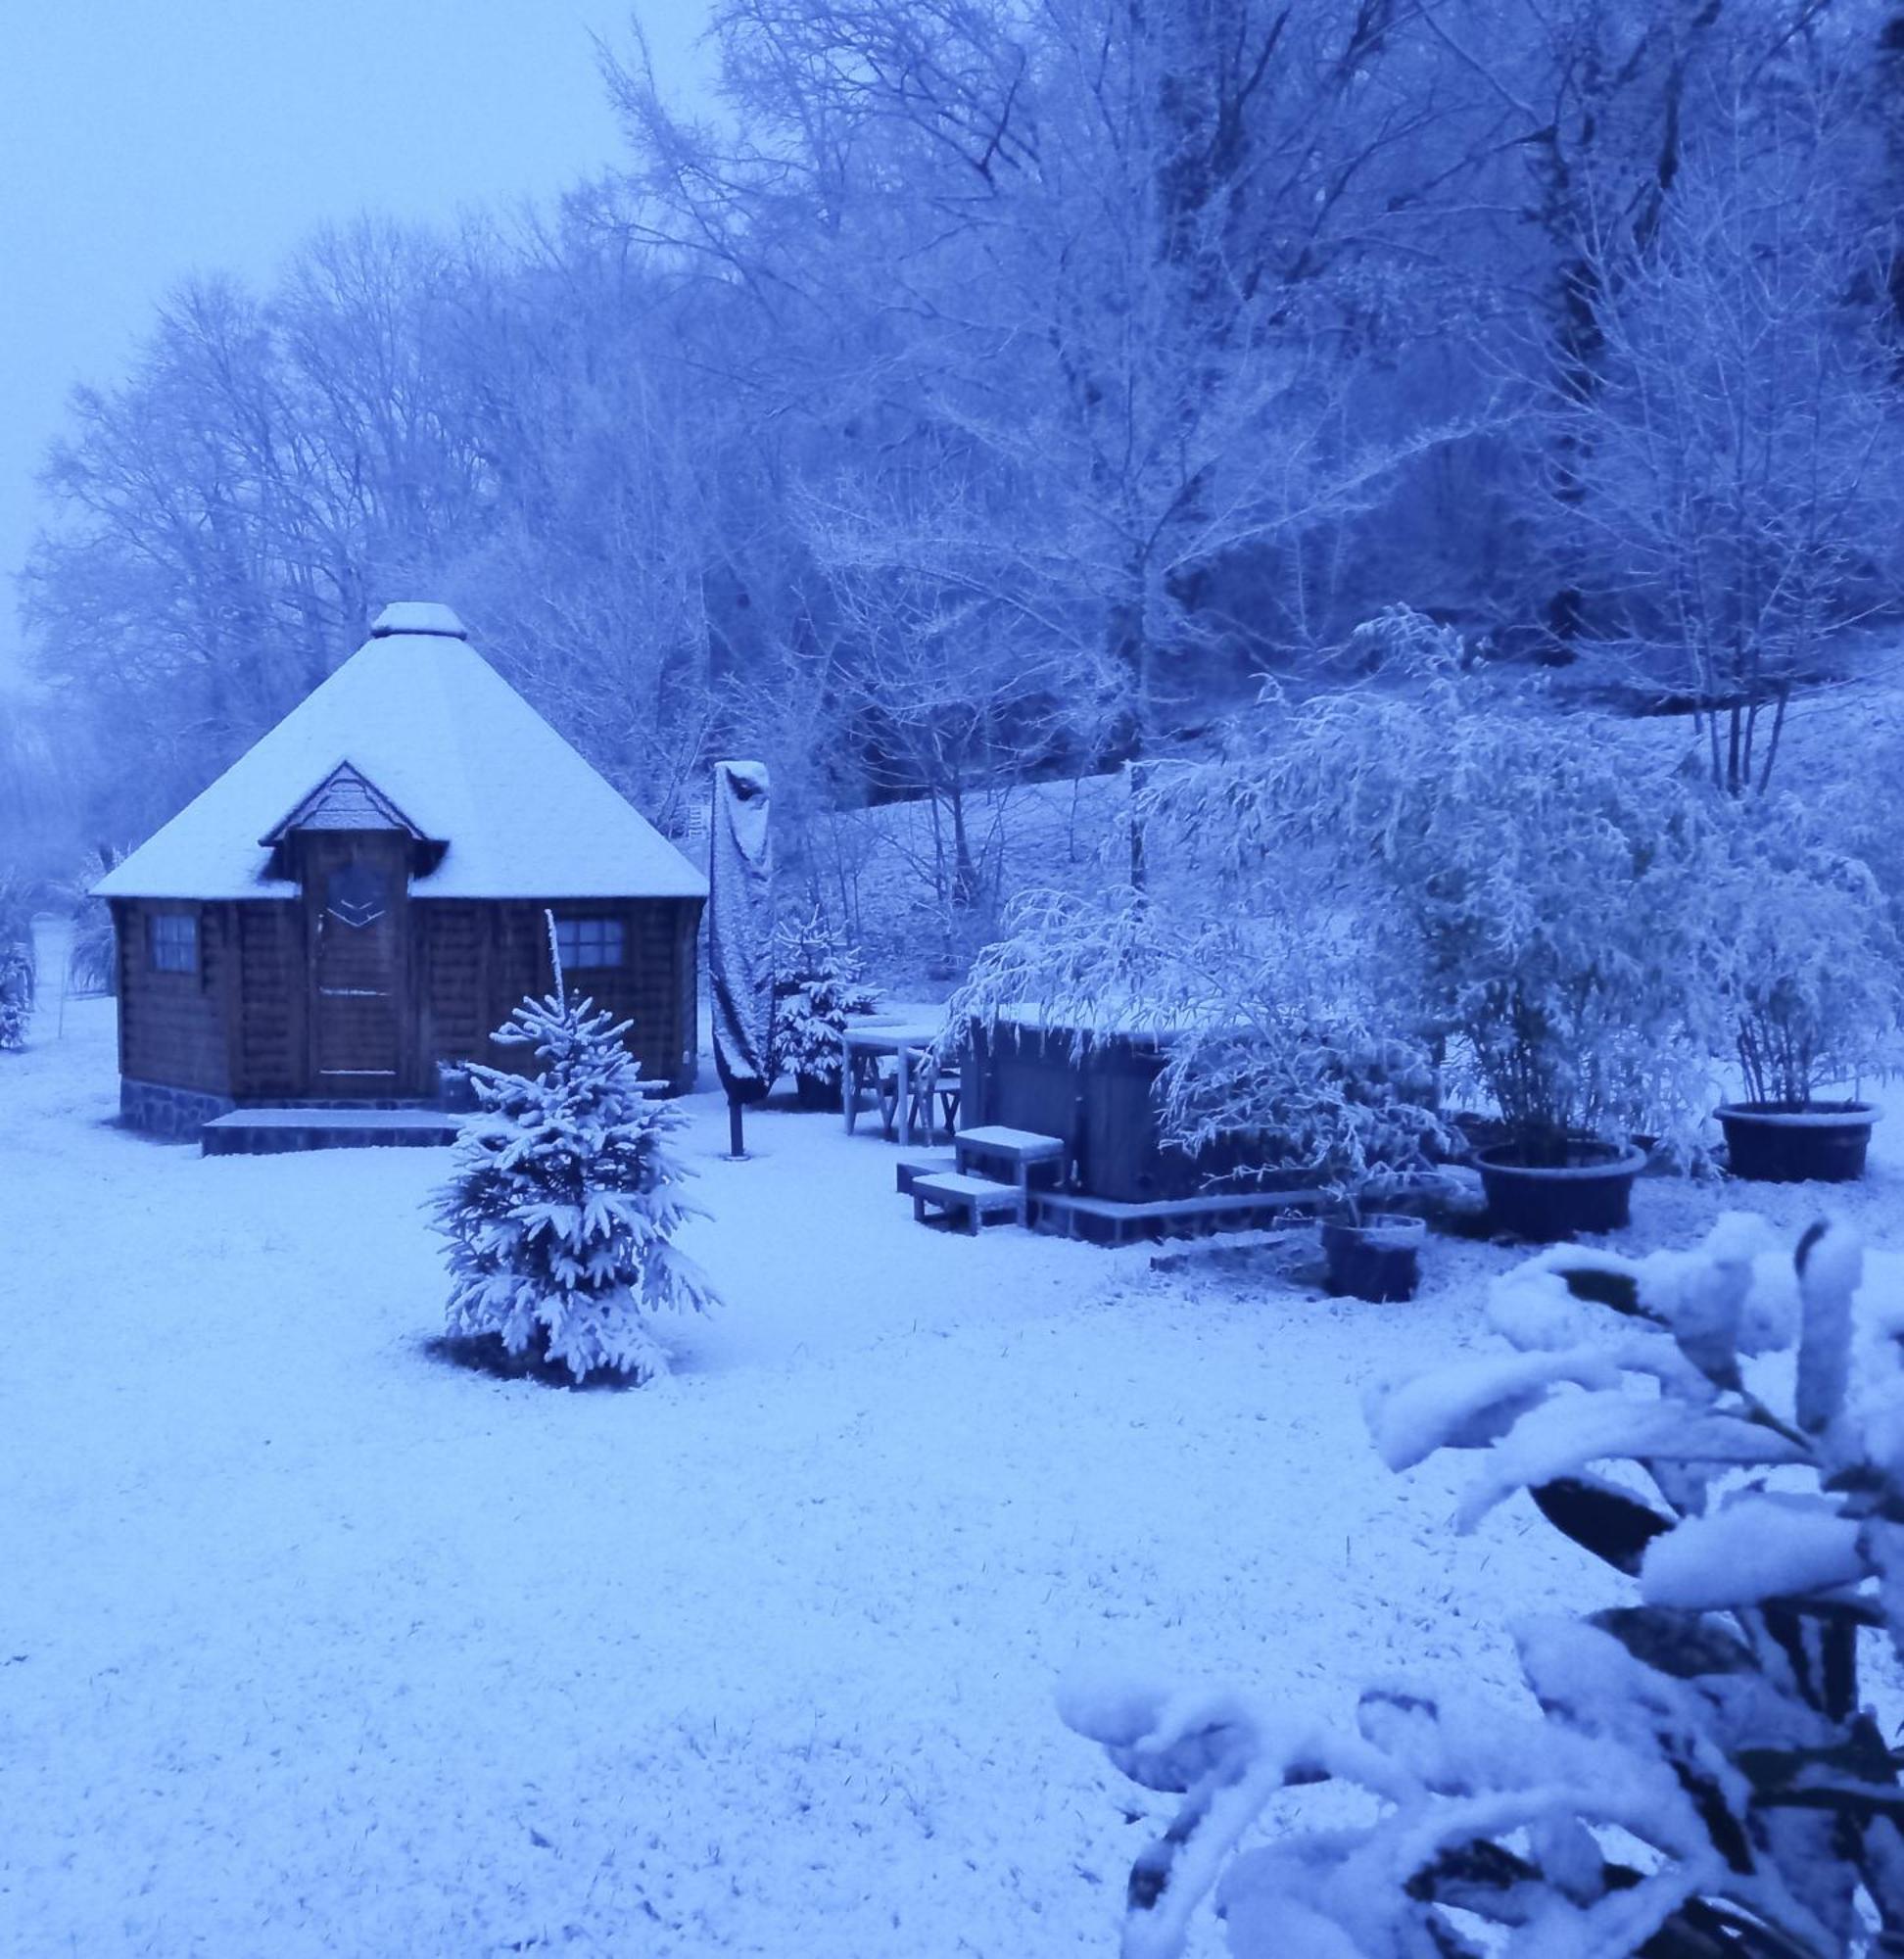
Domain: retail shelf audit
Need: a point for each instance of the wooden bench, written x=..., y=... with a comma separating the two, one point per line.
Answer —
x=911, y=1169
x=971, y=1198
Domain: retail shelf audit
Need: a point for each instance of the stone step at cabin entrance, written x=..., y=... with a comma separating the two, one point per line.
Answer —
x=258, y=1133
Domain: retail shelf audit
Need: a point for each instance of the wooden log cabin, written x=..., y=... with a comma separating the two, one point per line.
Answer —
x=358, y=901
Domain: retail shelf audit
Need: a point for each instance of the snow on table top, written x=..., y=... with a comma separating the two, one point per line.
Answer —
x=893, y=1033
x=444, y=737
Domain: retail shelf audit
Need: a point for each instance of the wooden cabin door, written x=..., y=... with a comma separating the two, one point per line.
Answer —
x=357, y=889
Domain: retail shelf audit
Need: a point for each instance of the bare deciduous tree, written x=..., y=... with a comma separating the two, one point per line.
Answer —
x=1732, y=476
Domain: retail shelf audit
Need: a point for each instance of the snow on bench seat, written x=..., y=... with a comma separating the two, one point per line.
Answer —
x=974, y=1198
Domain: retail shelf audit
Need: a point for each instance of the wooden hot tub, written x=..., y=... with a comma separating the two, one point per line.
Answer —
x=1095, y=1090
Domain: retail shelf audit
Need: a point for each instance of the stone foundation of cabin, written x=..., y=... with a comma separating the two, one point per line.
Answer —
x=161, y=1111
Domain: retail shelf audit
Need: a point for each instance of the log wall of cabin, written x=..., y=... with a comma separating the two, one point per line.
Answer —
x=238, y=1026
x=174, y=1027
x=270, y=1040
x=482, y=958
x=451, y=941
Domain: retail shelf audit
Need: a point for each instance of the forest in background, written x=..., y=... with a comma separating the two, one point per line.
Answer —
x=992, y=391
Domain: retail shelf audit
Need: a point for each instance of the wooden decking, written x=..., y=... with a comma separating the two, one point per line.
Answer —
x=1105, y=1221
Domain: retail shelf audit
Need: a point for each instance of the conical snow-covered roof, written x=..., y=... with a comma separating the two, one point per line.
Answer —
x=422, y=718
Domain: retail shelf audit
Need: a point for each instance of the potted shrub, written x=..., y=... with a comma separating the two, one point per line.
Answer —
x=1278, y=1067
x=1531, y=888
x=1324, y=1096
x=816, y=985
x=1816, y=993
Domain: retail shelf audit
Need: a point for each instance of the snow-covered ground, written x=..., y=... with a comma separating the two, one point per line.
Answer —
x=311, y=1643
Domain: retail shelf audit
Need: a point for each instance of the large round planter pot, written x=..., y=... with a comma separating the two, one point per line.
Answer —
x=1546, y=1203
x=1823, y=1143
x=1378, y=1260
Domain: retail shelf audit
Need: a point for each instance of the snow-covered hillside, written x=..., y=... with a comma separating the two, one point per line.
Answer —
x=887, y=870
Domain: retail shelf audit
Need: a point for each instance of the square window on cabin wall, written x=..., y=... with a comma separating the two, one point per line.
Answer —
x=585, y=943
x=172, y=943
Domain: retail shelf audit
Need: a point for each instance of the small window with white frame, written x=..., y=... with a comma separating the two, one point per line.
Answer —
x=172, y=941
x=589, y=944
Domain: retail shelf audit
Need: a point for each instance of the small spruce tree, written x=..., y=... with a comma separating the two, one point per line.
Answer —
x=562, y=1206
x=816, y=984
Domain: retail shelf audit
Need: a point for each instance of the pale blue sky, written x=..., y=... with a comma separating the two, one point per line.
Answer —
x=144, y=139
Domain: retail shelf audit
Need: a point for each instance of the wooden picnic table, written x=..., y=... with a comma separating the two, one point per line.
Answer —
x=873, y=1041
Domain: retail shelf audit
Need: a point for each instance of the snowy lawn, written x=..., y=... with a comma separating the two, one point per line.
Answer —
x=311, y=1643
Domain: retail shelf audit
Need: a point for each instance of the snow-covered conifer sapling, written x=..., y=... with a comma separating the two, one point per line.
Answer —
x=564, y=1200
x=817, y=985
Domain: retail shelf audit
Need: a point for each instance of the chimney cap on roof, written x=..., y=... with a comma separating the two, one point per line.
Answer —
x=418, y=616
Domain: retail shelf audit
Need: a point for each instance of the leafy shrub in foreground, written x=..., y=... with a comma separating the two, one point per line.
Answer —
x=1695, y=1773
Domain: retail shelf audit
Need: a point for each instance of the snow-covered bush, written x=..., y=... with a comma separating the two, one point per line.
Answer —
x=1323, y=1090
x=1696, y=1772
x=1816, y=970
x=1530, y=886
x=92, y=961
x=817, y=983
x=16, y=997
x=1850, y=791
x=1272, y=1037
x=563, y=1201
x=16, y=966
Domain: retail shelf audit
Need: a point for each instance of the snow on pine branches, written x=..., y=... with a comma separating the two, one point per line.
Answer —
x=1698, y=1771
x=563, y=1204
x=817, y=983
